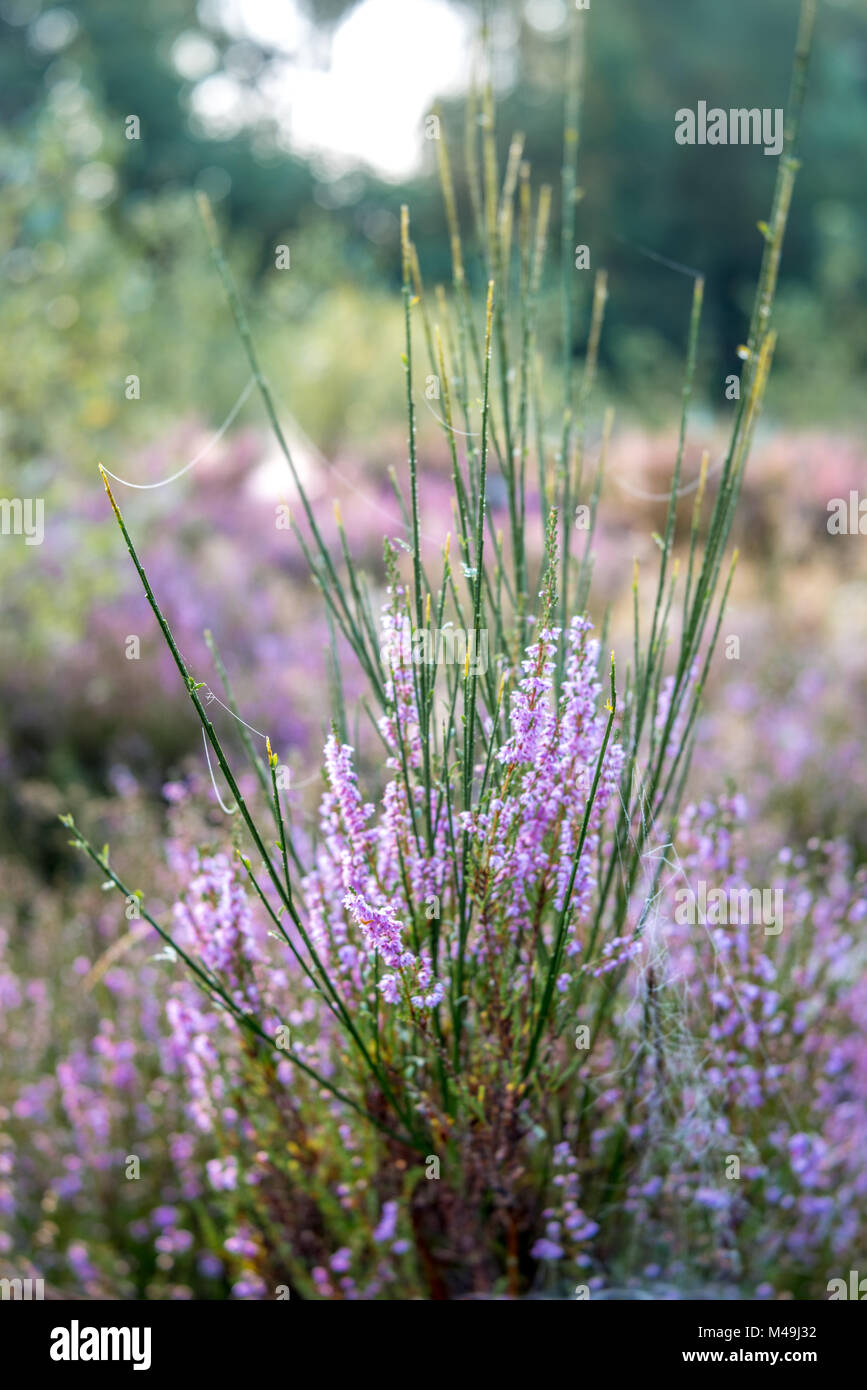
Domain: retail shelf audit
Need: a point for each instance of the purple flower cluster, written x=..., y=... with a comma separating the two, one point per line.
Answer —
x=528, y=833
x=567, y=1229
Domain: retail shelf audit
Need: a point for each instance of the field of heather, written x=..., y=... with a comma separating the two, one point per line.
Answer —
x=433, y=657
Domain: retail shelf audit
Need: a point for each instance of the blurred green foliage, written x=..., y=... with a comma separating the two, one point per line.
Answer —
x=105, y=273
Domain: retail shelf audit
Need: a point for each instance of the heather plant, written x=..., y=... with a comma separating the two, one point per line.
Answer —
x=453, y=1040
x=93, y=1133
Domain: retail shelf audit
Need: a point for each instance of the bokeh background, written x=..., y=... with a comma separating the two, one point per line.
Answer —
x=305, y=125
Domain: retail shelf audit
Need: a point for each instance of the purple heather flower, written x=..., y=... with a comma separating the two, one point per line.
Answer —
x=348, y=814
x=240, y=1244
x=164, y=1216
x=546, y=1250
x=387, y=1223
x=250, y=1287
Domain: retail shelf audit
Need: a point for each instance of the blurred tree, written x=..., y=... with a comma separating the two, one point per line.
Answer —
x=642, y=191
x=699, y=205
